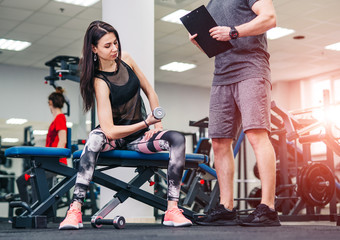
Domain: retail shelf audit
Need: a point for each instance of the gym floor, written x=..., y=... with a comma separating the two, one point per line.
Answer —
x=288, y=230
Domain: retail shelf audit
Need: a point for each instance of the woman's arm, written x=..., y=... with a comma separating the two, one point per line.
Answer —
x=145, y=85
x=105, y=114
x=62, y=134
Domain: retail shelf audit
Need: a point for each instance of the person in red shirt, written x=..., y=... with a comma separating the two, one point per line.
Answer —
x=57, y=132
x=56, y=137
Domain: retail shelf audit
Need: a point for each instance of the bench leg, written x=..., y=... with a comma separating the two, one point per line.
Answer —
x=123, y=193
x=49, y=201
x=132, y=189
x=192, y=193
x=214, y=198
x=42, y=189
x=104, y=211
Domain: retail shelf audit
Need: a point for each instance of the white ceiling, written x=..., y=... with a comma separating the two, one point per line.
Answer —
x=57, y=29
x=55, y=32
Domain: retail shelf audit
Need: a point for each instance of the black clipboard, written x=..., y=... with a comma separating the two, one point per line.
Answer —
x=200, y=21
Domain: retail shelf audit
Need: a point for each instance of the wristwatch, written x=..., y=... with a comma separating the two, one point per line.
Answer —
x=233, y=33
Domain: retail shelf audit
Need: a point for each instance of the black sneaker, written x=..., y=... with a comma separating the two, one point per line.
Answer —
x=218, y=217
x=263, y=216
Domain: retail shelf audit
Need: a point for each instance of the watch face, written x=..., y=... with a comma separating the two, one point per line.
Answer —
x=233, y=33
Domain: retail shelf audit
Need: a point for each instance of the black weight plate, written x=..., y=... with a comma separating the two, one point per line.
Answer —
x=255, y=193
x=313, y=191
x=319, y=193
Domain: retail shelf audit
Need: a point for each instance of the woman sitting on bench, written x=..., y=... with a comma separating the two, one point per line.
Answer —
x=113, y=79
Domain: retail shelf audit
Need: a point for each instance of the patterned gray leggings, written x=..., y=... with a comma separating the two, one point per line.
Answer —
x=171, y=141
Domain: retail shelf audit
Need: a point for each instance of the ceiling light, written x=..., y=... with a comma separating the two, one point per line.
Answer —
x=177, y=67
x=69, y=124
x=84, y=3
x=17, y=121
x=13, y=45
x=335, y=47
x=10, y=140
x=88, y=121
x=40, y=132
x=278, y=32
x=175, y=16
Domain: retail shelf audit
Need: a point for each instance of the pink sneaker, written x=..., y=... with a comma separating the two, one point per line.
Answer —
x=175, y=218
x=73, y=220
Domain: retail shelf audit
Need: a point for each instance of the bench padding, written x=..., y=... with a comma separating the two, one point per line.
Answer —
x=161, y=156
x=29, y=151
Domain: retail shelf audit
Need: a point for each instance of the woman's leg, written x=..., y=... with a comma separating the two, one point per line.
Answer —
x=174, y=142
x=87, y=164
x=171, y=141
x=96, y=143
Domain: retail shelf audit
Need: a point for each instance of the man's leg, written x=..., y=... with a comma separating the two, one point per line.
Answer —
x=223, y=214
x=225, y=167
x=224, y=122
x=264, y=214
x=265, y=158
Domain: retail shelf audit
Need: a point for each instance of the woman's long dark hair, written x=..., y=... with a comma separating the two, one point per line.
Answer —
x=88, y=66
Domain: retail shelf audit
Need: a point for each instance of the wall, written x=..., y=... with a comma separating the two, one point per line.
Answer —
x=287, y=94
x=182, y=104
x=298, y=94
x=24, y=91
x=23, y=94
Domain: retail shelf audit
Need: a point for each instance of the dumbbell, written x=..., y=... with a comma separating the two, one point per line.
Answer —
x=158, y=113
x=118, y=222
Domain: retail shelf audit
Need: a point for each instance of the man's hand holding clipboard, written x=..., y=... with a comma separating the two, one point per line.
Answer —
x=198, y=23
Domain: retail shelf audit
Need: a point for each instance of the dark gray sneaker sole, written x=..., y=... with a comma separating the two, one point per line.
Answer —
x=268, y=223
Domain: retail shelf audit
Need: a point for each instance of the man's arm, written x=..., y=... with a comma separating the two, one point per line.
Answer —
x=265, y=20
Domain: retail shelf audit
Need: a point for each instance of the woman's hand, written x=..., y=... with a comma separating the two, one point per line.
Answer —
x=150, y=120
x=150, y=133
x=158, y=126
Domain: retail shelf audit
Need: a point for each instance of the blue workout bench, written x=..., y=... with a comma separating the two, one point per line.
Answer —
x=146, y=166
x=43, y=158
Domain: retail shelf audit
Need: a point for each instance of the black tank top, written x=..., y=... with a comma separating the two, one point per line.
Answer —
x=126, y=103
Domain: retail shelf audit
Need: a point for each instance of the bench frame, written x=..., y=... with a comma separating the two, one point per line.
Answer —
x=145, y=169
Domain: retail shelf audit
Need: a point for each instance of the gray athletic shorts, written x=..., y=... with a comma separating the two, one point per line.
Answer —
x=243, y=104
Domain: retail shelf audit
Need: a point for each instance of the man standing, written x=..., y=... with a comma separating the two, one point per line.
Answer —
x=240, y=96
